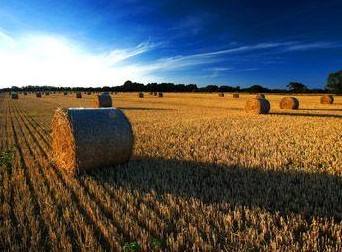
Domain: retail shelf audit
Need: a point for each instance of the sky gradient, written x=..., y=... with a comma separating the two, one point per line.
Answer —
x=97, y=43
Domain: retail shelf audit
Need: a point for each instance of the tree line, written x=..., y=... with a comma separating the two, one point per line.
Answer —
x=333, y=85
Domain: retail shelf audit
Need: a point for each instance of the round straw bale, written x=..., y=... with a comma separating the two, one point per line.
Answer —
x=289, y=103
x=236, y=95
x=160, y=94
x=78, y=95
x=257, y=106
x=260, y=96
x=47, y=93
x=221, y=94
x=88, y=93
x=151, y=93
x=25, y=93
x=141, y=95
x=327, y=99
x=14, y=95
x=90, y=138
x=65, y=93
x=104, y=101
x=38, y=94
x=155, y=93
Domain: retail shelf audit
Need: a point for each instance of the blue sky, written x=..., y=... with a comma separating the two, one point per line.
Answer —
x=233, y=42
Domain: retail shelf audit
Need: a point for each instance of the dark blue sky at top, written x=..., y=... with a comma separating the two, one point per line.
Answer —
x=214, y=42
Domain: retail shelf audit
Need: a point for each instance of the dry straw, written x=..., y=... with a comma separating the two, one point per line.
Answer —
x=104, y=101
x=221, y=94
x=15, y=96
x=141, y=95
x=86, y=139
x=236, y=95
x=289, y=103
x=327, y=99
x=78, y=95
x=257, y=106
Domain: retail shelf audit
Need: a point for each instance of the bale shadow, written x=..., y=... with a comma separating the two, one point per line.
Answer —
x=336, y=109
x=285, y=192
x=305, y=114
x=142, y=108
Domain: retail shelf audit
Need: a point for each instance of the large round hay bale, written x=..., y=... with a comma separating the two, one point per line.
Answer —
x=236, y=95
x=89, y=138
x=289, y=103
x=47, y=93
x=327, y=99
x=257, y=106
x=260, y=96
x=25, y=93
x=78, y=95
x=38, y=94
x=15, y=96
x=160, y=94
x=104, y=101
x=155, y=93
x=141, y=95
x=65, y=93
x=88, y=93
x=221, y=94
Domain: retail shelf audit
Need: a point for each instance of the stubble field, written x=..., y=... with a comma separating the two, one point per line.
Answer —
x=204, y=176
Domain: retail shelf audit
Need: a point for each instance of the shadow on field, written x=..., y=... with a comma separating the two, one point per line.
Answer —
x=284, y=191
x=305, y=114
x=141, y=108
x=336, y=109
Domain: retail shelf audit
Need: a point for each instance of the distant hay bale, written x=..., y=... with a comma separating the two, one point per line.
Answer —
x=221, y=94
x=289, y=103
x=86, y=139
x=78, y=95
x=141, y=95
x=104, y=101
x=155, y=93
x=38, y=94
x=47, y=93
x=65, y=93
x=15, y=96
x=327, y=99
x=160, y=94
x=25, y=93
x=236, y=95
x=257, y=106
x=260, y=96
x=88, y=93
x=151, y=93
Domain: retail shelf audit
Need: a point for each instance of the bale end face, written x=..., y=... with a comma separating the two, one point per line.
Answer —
x=327, y=99
x=86, y=139
x=257, y=106
x=289, y=103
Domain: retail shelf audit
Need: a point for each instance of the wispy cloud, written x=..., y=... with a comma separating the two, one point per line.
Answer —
x=314, y=45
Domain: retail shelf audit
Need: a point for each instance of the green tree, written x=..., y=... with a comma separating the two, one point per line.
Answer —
x=334, y=82
x=297, y=87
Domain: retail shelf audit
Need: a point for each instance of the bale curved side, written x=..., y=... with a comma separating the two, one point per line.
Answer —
x=327, y=99
x=98, y=138
x=104, y=101
x=289, y=103
x=260, y=96
x=257, y=106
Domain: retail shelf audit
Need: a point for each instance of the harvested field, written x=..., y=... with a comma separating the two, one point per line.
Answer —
x=204, y=174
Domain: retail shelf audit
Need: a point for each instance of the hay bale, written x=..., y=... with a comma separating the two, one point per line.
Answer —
x=160, y=94
x=47, y=93
x=78, y=95
x=221, y=94
x=65, y=93
x=25, y=93
x=39, y=95
x=88, y=93
x=141, y=95
x=85, y=139
x=151, y=93
x=155, y=93
x=236, y=95
x=14, y=96
x=289, y=103
x=260, y=96
x=104, y=101
x=327, y=99
x=257, y=106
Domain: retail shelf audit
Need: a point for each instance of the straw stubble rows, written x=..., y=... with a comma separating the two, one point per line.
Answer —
x=203, y=175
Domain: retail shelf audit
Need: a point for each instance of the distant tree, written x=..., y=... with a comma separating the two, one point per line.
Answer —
x=334, y=82
x=256, y=89
x=297, y=87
